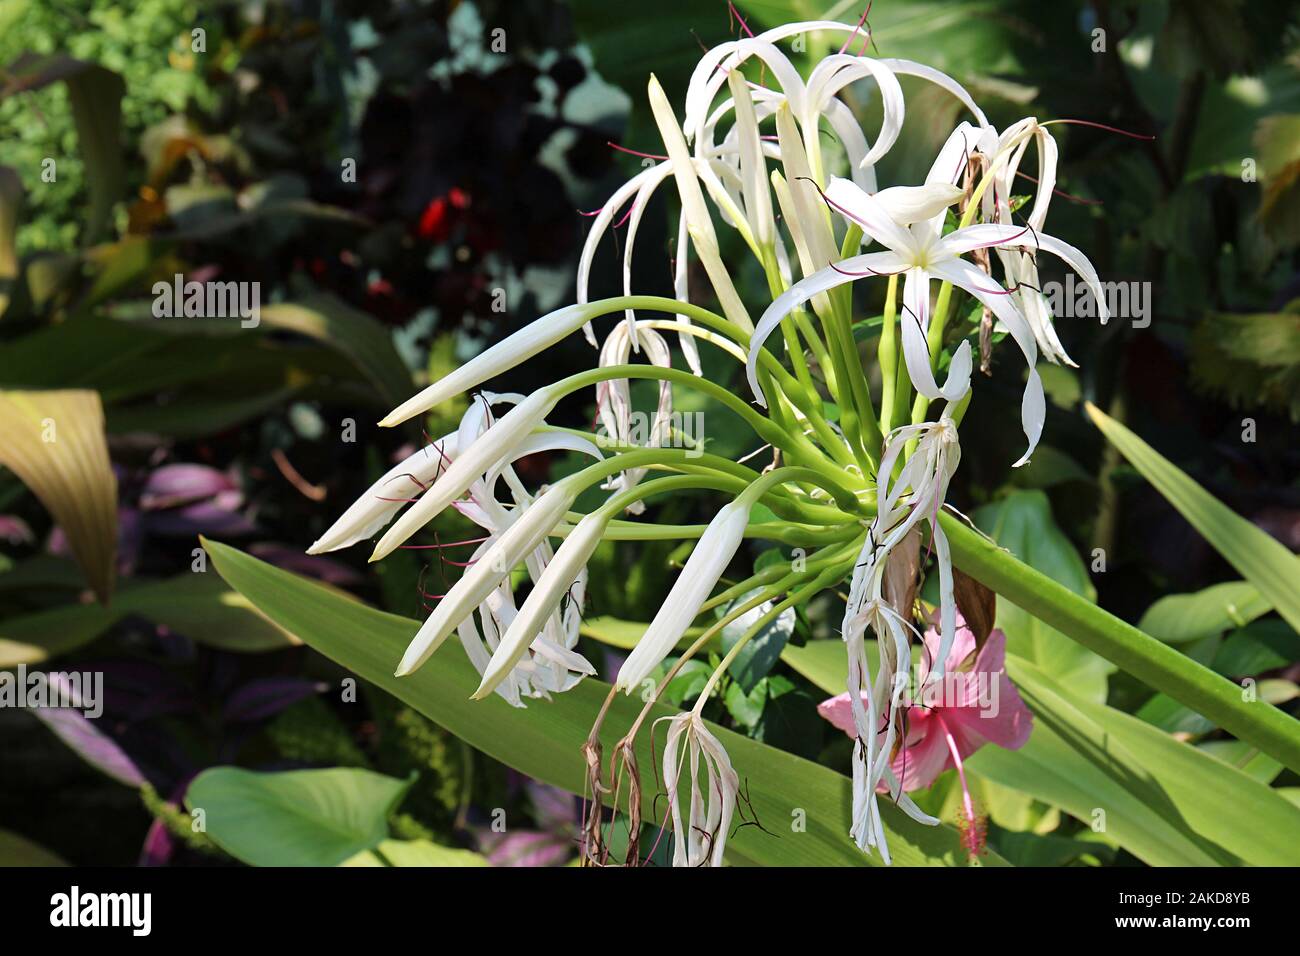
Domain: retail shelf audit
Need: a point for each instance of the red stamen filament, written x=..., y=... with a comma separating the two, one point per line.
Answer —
x=1062, y=193
x=1109, y=129
x=854, y=35
x=633, y=152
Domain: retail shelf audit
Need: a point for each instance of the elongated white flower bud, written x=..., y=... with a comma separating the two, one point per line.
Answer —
x=548, y=591
x=494, y=446
x=716, y=547
x=516, y=348
x=698, y=223
x=753, y=167
x=385, y=497
x=527, y=531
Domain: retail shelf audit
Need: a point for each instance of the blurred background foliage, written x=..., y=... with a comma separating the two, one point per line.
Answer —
x=405, y=194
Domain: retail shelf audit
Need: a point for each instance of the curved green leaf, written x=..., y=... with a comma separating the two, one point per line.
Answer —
x=544, y=741
x=415, y=853
x=200, y=606
x=17, y=850
x=54, y=442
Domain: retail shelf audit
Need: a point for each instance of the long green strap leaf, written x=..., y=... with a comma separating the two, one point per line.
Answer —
x=1150, y=661
x=803, y=807
x=1258, y=556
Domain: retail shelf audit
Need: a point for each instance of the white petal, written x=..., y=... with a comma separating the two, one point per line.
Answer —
x=850, y=269
x=481, y=578
x=869, y=213
x=472, y=462
x=376, y=507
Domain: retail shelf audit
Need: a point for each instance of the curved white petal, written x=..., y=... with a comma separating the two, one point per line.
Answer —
x=938, y=78
x=472, y=462
x=383, y=499
x=713, y=552
x=869, y=213
x=883, y=263
x=484, y=575
x=1033, y=405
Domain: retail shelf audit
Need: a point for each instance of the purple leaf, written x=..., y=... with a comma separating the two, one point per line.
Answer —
x=158, y=846
x=555, y=810
x=14, y=530
x=267, y=696
x=173, y=485
x=87, y=741
x=526, y=848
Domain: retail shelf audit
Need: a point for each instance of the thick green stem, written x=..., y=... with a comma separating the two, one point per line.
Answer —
x=887, y=358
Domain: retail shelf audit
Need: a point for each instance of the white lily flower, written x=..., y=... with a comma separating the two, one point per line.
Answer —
x=699, y=835
x=713, y=552
x=525, y=532
x=920, y=252
x=563, y=574
x=614, y=401
x=493, y=448
x=548, y=664
x=1020, y=267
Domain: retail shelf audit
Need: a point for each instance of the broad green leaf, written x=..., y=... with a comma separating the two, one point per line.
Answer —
x=54, y=442
x=1022, y=523
x=16, y=850
x=1261, y=646
x=194, y=417
x=1083, y=757
x=352, y=335
x=1028, y=849
x=1243, y=757
x=544, y=740
x=295, y=818
x=200, y=606
x=415, y=853
x=1173, y=782
x=1260, y=558
x=1177, y=618
x=1154, y=663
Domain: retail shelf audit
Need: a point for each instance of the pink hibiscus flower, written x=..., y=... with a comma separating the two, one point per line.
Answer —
x=948, y=720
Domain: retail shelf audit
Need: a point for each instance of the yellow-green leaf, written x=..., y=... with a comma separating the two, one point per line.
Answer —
x=54, y=442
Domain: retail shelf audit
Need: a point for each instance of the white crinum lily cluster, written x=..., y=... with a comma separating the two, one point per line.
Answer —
x=782, y=160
